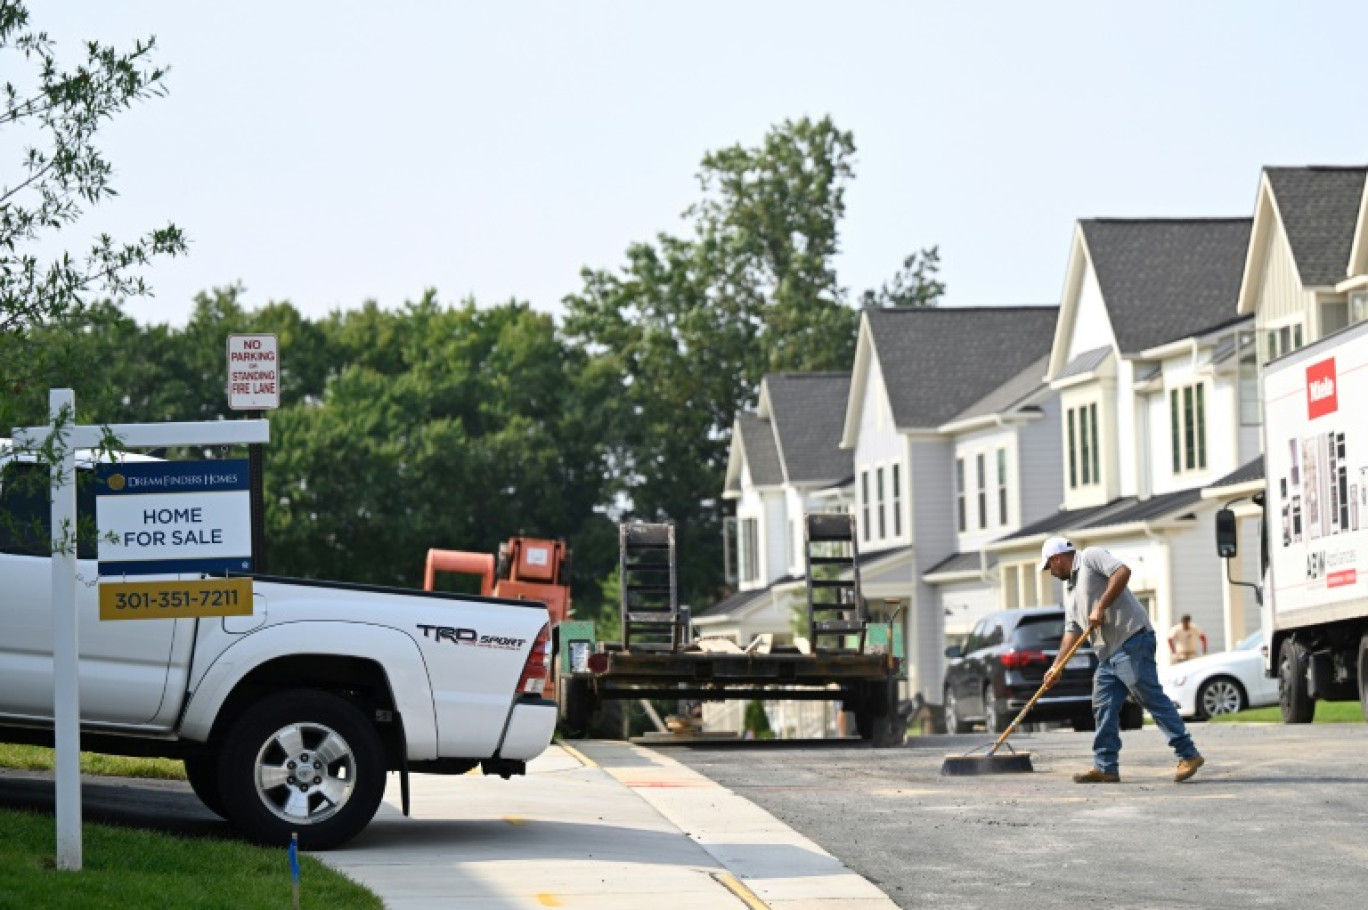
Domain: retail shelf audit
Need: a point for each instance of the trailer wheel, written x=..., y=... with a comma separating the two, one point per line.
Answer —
x=302, y=761
x=877, y=717
x=1363, y=674
x=203, y=774
x=1294, y=696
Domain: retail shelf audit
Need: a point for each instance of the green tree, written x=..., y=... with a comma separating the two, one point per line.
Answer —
x=54, y=116
x=689, y=326
x=915, y=284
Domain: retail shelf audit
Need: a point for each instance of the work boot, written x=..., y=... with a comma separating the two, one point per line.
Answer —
x=1188, y=767
x=1094, y=776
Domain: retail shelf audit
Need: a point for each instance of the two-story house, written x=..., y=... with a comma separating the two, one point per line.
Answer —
x=1146, y=360
x=785, y=460
x=1305, y=276
x=939, y=401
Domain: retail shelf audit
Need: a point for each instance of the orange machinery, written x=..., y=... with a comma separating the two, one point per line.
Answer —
x=527, y=568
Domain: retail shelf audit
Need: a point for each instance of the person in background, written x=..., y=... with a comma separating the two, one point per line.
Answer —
x=1184, y=638
x=1098, y=603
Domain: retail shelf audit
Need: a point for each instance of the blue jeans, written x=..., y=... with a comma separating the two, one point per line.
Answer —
x=1132, y=669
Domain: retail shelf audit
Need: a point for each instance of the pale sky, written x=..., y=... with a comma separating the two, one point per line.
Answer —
x=326, y=153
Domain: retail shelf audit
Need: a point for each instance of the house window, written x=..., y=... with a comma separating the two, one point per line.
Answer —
x=897, y=500
x=959, y=493
x=879, y=481
x=864, y=503
x=750, y=549
x=1002, y=485
x=981, y=464
x=1085, y=460
x=1284, y=340
x=1187, y=421
x=1358, y=307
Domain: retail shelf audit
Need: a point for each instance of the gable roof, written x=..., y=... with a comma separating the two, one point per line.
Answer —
x=757, y=444
x=807, y=411
x=1318, y=207
x=938, y=361
x=1015, y=391
x=1164, y=279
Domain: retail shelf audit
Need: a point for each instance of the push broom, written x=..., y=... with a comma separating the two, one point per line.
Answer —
x=1013, y=762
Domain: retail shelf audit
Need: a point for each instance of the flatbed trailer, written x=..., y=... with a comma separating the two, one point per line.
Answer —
x=858, y=668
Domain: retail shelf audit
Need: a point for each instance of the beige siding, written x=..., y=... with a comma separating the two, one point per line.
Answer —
x=1280, y=289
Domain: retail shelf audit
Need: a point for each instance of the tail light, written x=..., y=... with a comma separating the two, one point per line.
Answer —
x=1015, y=660
x=538, y=666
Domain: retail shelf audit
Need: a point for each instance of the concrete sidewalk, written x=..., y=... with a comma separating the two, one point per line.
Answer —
x=598, y=825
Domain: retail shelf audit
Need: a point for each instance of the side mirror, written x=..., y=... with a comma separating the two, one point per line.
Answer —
x=1226, y=536
x=954, y=651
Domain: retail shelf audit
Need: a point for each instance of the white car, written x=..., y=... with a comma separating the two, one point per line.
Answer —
x=1221, y=683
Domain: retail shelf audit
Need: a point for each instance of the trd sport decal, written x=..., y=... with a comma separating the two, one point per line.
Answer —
x=471, y=637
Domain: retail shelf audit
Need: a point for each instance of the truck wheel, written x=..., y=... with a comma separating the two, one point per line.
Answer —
x=953, y=722
x=1363, y=674
x=1298, y=707
x=306, y=762
x=203, y=774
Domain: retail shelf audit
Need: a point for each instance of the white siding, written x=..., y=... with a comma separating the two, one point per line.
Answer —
x=1092, y=326
x=1197, y=580
x=1125, y=446
x=774, y=538
x=1040, y=483
x=879, y=446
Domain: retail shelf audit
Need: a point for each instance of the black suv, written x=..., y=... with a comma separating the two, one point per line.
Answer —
x=1003, y=662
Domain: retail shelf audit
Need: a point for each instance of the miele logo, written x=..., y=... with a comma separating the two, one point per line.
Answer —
x=1321, y=395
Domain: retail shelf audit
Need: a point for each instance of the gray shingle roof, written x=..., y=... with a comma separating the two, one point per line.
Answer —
x=1122, y=511
x=937, y=361
x=1010, y=393
x=1165, y=279
x=1085, y=362
x=808, y=413
x=733, y=603
x=960, y=562
x=1318, y=208
x=757, y=442
x=1250, y=470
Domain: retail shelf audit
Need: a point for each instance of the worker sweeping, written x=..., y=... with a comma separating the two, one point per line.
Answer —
x=1096, y=595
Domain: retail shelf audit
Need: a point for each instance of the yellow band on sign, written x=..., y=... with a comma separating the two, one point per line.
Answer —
x=176, y=599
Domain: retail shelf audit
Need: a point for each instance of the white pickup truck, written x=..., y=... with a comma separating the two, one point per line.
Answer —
x=289, y=719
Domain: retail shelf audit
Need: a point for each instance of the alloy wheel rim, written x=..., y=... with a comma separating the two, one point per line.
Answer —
x=1221, y=697
x=305, y=773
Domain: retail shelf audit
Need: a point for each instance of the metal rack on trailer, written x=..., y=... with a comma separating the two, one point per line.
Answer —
x=852, y=658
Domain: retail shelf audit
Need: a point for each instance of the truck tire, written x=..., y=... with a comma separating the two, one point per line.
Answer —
x=290, y=734
x=203, y=774
x=1363, y=674
x=1294, y=696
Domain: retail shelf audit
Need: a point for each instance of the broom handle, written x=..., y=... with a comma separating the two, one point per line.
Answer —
x=1082, y=637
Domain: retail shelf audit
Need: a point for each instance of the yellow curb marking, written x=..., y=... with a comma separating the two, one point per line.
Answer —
x=517, y=820
x=746, y=895
x=579, y=756
x=548, y=900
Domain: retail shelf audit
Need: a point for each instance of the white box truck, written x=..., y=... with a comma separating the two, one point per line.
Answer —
x=1315, y=589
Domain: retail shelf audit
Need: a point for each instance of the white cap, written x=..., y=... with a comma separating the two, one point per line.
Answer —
x=1053, y=547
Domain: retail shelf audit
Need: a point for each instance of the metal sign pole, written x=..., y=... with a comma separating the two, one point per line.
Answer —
x=256, y=467
x=65, y=643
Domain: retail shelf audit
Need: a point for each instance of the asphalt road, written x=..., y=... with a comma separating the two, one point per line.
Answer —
x=1278, y=817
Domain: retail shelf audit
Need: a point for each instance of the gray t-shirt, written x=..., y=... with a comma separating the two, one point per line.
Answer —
x=1092, y=570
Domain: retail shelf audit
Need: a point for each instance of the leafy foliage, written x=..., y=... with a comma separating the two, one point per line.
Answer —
x=61, y=172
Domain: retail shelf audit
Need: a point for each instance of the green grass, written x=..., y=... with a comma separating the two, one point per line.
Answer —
x=38, y=758
x=1327, y=712
x=127, y=867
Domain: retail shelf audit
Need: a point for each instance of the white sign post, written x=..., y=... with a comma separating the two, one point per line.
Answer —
x=68, y=437
x=253, y=372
